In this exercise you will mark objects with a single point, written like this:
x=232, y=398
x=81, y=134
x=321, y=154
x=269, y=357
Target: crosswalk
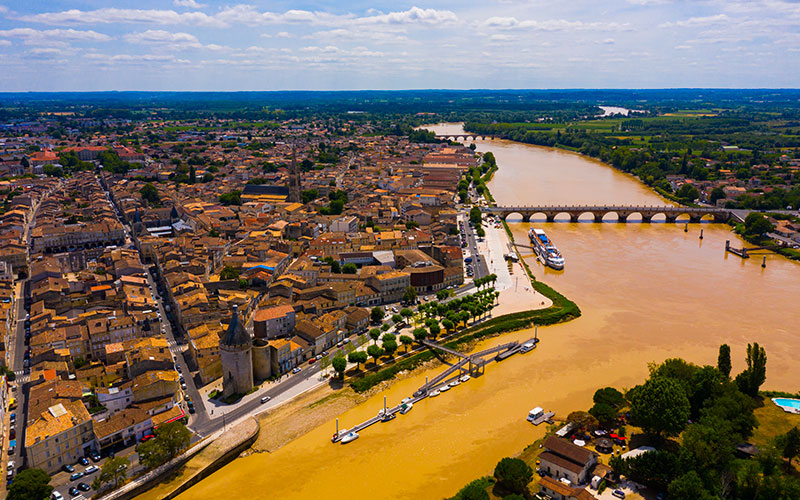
x=21, y=376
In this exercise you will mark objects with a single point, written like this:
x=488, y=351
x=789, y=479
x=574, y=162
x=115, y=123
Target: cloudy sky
x=329, y=44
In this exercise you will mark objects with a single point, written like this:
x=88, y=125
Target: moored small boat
x=454, y=383
x=434, y=393
x=444, y=388
x=406, y=408
x=464, y=378
x=350, y=436
x=388, y=417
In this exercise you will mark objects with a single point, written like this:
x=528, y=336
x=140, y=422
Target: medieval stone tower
x=294, y=180
x=237, y=364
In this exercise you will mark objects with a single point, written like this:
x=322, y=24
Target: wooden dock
x=545, y=417
x=745, y=252
x=472, y=364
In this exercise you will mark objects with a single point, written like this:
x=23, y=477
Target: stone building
x=236, y=353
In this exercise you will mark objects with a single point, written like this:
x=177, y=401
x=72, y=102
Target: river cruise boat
x=350, y=436
x=545, y=249
x=528, y=346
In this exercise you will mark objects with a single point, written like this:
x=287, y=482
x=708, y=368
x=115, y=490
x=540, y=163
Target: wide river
x=647, y=291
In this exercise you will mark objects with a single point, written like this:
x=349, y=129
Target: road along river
x=647, y=292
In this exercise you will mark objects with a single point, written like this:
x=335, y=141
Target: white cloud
x=188, y=3
x=414, y=15
x=161, y=36
x=683, y=47
x=123, y=16
x=283, y=34
x=608, y=41
x=3, y=9
x=58, y=35
x=508, y=23
x=5, y=43
x=699, y=21
x=238, y=14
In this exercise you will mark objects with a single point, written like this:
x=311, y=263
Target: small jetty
x=745, y=252
x=468, y=364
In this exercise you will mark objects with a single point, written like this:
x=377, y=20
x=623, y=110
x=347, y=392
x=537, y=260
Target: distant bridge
x=464, y=137
x=597, y=212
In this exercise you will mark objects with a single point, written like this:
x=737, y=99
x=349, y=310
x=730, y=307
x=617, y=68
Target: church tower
x=235, y=348
x=294, y=179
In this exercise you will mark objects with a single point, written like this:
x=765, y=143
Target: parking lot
x=63, y=481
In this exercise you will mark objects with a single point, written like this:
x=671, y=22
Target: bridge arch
x=516, y=217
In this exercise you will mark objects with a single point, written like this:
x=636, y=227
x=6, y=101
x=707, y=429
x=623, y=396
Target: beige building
x=59, y=436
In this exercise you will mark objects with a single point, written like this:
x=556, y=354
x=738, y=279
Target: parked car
x=84, y=461
x=84, y=487
x=91, y=470
x=56, y=496
x=95, y=456
x=296, y=370
x=75, y=476
x=265, y=399
x=68, y=468
x=312, y=361
x=74, y=491
x=618, y=493
x=147, y=438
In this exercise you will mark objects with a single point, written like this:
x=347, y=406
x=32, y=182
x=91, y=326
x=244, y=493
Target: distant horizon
x=421, y=89
x=283, y=45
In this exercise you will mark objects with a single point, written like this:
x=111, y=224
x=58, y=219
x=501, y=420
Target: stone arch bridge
x=464, y=137
x=647, y=213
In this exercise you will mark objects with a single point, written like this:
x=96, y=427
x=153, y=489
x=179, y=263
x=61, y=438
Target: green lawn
x=772, y=421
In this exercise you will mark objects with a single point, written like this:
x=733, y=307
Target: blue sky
x=328, y=45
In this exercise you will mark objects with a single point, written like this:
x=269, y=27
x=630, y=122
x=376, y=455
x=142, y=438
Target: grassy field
x=772, y=421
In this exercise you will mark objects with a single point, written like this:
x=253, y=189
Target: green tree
x=357, y=357
x=582, y=420
x=174, y=437
x=410, y=295
x=475, y=215
x=374, y=352
x=376, y=314
x=688, y=487
x=756, y=224
x=716, y=194
x=192, y=175
x=435, y=330
x=229, y=273
x=755, y=374
x=390, y=346
x=375, y=334
x=396, y=318
x=406, y=341
x=687, y=192
x=339, y=364
x=349, y=268
x=605, y=414
x=789, y=443
x=207, y=177
x=150, y=194
x=406, y=312
x=114, y=471
x=473, y=491
x=513, y=475
x=420, y=334
x=660, y=406
x=309, y=195
x=151, y=453
x=385, y=327
x=30, y=484
x=609, y=396
x=724, y=360
x=232, y=198
x=447, y=325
